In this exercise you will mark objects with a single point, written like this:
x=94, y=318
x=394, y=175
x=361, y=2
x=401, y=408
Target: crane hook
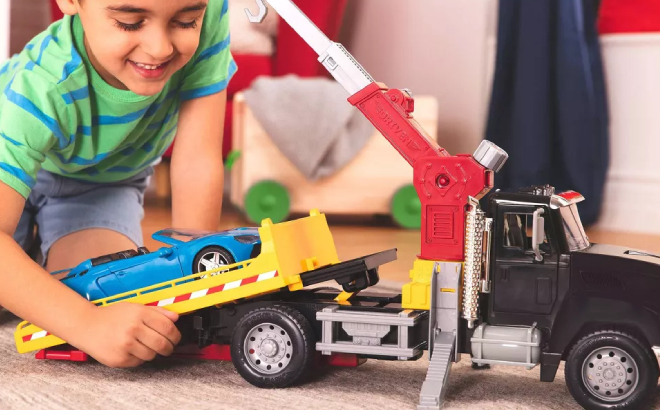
x=263, y=10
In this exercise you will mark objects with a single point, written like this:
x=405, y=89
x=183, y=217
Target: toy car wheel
x=611, y=369
x=210, y=258
x=267, y=199
x=406, y=208
x=273, y=347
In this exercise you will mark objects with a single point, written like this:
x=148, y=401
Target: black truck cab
x=580, y=296
x=526, y=286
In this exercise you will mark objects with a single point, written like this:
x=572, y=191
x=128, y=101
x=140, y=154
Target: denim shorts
x=58, y=206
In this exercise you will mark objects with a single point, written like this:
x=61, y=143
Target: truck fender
x=580, y=315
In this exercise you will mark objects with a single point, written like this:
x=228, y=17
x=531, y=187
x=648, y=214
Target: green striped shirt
x=57, y=113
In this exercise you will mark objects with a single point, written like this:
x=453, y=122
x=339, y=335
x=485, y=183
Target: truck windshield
x=575, y=235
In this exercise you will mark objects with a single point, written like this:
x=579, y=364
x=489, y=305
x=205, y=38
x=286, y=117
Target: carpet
x=26, y=383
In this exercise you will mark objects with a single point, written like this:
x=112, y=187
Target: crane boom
x=444, y=183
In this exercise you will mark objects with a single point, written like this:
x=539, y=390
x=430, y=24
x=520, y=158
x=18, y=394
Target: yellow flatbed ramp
x=288, y=249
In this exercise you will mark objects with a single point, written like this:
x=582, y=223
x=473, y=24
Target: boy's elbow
x=12, y=204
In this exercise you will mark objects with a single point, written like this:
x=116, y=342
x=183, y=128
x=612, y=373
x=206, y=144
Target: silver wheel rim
x=210, y=261
x=268, y=348
x=610, y=374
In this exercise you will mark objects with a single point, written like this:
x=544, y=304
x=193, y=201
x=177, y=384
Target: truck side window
x=514, y=231
x=518, y=233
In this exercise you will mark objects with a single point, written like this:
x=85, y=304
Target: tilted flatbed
x=294, y=255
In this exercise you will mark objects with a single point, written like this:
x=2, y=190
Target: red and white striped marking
x=189, y=296
x=35, y=336
x=205, y=292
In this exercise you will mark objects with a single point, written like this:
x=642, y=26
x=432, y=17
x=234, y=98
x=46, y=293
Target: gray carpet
x=26, y=383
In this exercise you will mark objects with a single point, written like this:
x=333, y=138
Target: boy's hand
x=127, y=335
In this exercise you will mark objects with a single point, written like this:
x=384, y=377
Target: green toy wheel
x=232, y=157
x=267, y=199
x=407, y=208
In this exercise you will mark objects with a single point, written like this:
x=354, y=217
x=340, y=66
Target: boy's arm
x=33, y=122
x=121, y=335
x=197, y=173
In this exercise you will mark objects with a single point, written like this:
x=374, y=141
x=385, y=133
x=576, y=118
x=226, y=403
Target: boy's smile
x=150, y=71
x=139, y=44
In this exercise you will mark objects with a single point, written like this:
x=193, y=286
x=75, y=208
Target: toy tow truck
x=519, y=284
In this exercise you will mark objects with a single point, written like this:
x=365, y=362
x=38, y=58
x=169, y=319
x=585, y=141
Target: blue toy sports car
x=190, y=252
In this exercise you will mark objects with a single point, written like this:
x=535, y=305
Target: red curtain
x=629, y=16
x=55, y=10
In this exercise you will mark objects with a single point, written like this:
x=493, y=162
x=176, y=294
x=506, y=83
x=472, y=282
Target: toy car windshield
x=184, y=235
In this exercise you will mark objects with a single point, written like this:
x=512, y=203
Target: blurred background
x=570, y=88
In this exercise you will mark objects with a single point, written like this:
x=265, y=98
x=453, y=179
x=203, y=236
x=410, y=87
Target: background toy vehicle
x=189, y=253
x=265, y=184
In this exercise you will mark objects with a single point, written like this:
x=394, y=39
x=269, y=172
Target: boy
x=85, y=110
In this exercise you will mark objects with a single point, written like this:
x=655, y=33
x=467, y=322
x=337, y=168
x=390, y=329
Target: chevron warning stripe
x=35, y=336
x=217, y=289
x=188, y=296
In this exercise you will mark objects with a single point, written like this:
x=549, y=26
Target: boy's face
x=139, y=44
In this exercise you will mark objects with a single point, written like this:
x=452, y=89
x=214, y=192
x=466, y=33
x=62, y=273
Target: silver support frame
x=444, y=305
x=488, y=231
x=433, y=320
x=366, y=329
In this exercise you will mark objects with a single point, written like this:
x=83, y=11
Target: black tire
x=224, y=254
x=632, y=379
x=296, y=347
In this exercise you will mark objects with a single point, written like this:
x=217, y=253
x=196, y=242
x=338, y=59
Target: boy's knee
x=72, y=249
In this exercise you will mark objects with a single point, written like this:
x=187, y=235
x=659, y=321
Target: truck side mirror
x=538, y=233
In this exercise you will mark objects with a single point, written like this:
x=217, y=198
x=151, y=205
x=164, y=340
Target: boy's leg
x=79, y=246
x=82, y=220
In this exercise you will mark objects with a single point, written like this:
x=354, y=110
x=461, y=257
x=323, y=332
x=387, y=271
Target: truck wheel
x=273, y=347
x=611, y=369
x=267, y=199
x=212, y=257
x=406, y=208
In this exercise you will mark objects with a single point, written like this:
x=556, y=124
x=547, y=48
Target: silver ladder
x=433, y=390
x=443, y=322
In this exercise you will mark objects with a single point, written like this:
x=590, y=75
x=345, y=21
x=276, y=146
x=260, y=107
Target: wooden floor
x=354, y=238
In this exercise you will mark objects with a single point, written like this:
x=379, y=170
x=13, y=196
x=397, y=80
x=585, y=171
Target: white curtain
x=4, y=29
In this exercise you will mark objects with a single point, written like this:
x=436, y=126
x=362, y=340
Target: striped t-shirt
x=57, y=113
